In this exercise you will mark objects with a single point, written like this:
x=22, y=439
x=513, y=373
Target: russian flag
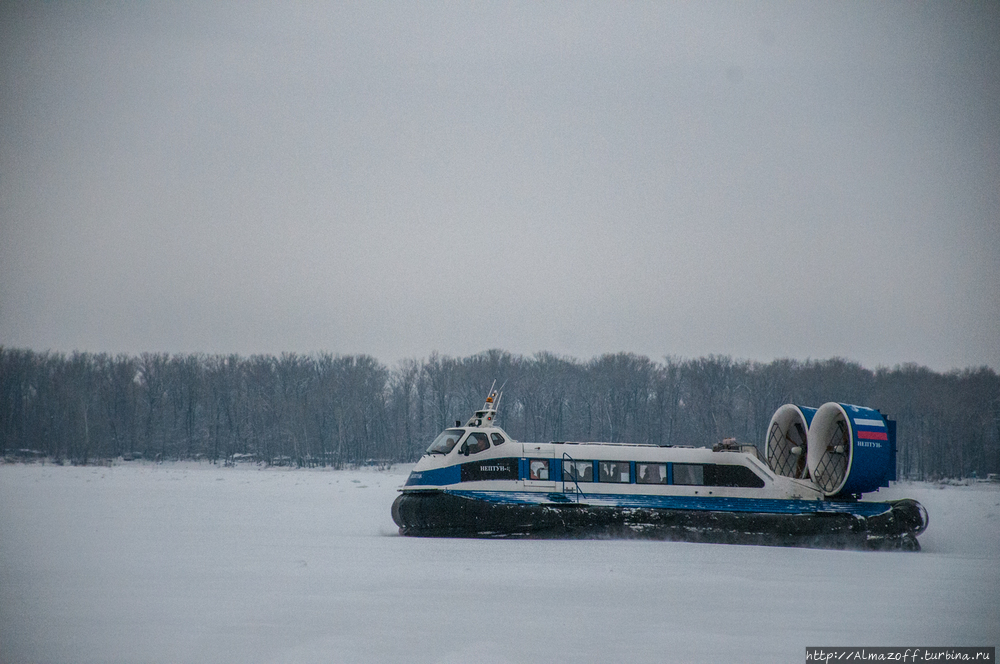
x=871, y=435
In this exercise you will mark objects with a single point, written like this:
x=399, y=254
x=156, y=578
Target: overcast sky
x=803, y=180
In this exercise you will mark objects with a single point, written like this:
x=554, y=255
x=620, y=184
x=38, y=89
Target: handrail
x=566, y=456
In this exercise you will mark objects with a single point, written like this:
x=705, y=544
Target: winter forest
x=332, y=410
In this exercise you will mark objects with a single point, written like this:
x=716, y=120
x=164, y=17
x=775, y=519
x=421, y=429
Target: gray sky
x=800, y=180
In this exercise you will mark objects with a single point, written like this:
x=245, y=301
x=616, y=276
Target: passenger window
x=692, y=474
x=497, y=439
x=651, y=473
x=613, y=471
x=581, y=471
x=538, y=469
x=731, y=475
x=477, y=442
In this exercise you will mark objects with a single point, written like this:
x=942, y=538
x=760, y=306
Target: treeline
x=333, y=410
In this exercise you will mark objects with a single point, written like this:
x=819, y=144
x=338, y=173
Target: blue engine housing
x=852, y=449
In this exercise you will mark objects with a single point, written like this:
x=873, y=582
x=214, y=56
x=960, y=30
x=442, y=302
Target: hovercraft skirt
x=443, y=514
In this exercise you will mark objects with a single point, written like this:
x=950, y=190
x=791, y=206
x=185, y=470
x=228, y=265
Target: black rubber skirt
x=440, y=514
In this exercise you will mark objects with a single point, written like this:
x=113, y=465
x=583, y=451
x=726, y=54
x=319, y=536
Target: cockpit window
x=446, y=441
x=477, y=442
x=497, y=439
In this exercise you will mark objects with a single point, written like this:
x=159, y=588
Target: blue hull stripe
x=713, y=503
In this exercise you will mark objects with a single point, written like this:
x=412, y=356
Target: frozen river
x=200, y=563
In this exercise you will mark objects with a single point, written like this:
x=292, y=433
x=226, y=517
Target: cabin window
x=477, y=442
x=538, y=469
x=613, y=471
x=731, y=475
x=580, y=471
x=497, y=439
x=445, y=442
x=692, y=474
x=710, y=474
x=651, y=473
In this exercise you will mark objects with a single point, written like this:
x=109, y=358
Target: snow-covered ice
x=194, y=562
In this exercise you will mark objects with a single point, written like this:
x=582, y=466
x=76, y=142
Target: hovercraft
x=476, y=481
